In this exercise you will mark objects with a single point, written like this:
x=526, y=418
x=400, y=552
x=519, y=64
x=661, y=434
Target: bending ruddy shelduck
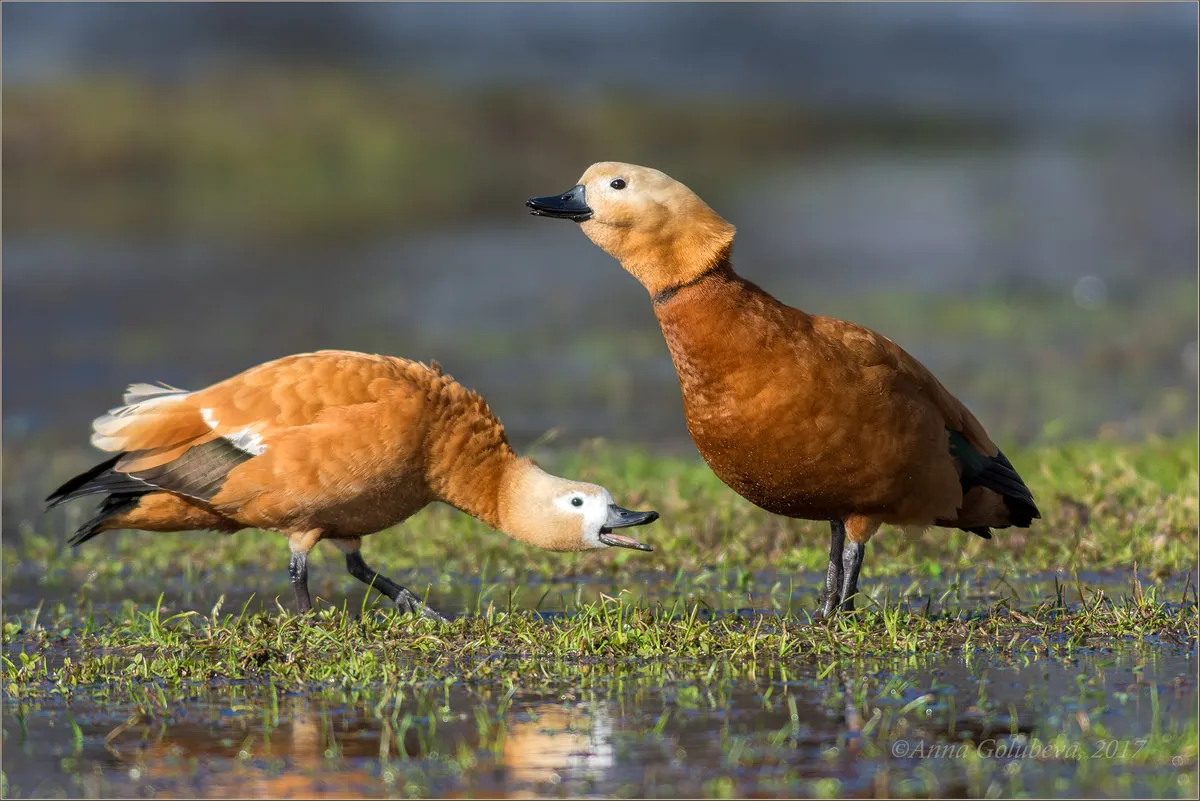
x=333, y=445
x=803, y=415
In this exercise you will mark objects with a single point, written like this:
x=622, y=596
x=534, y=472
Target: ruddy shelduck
x=803, y=415
x=333, y=445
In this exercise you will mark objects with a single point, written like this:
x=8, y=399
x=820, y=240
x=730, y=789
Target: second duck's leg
x=403, y=598
x=852, y=559
x=298, y=571
x=859, y=531
x=827, y=601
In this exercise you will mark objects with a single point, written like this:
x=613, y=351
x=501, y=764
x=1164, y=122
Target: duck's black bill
x=570, y=205
x=625, y=518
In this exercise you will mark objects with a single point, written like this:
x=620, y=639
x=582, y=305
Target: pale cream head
x=660, y=230
x=560, y=515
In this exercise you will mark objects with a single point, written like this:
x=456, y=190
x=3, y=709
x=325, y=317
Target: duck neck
x=717, y=273
x=674, y=252
x=469, y=464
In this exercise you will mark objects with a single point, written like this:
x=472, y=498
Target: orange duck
x=803, y=415
x=331, y=445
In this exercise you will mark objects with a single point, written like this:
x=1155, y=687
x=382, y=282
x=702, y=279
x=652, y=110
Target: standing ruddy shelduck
x=331, y=445
x=805, y=416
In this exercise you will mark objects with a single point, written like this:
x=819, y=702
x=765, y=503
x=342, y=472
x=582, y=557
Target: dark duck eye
x=618, y=183
x=577, y=501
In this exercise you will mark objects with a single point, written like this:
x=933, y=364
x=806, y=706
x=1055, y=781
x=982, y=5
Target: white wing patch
x=247, y=439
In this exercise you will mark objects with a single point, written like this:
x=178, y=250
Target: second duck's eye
x=618, y=183
x=577, y=501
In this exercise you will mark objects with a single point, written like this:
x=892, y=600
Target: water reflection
x=557, y=728
x=558, y=745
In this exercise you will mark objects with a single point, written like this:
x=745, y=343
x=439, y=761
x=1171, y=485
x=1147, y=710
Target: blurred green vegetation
x=326, y=153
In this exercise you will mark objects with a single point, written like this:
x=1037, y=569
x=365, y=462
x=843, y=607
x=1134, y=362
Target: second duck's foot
x=831, y=604
x=827, y=605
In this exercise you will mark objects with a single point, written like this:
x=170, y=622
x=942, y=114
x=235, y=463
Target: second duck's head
x=659, y=229
x=561, y=515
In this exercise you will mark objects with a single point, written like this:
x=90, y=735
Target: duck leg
x=852, y=559
x=298, y=570
x=405, y=600
x=827, y=601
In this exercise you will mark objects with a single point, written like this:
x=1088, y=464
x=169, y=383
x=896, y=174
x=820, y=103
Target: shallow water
x=941, y=724
x=1062, y=720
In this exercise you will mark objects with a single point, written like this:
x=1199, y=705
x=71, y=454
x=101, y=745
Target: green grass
x=1105, y=506
x=139, y=644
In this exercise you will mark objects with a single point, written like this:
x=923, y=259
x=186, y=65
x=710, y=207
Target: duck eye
x=618, y=183
x=577, y=501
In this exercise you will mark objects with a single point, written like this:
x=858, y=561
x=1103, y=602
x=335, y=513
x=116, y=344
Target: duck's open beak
x=570, y=205
x=625, y=518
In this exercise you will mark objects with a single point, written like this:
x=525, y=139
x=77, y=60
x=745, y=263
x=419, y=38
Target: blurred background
x=1007, y=190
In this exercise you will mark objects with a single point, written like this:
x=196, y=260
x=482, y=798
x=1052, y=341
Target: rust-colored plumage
x=330, y=445
x=803, y=415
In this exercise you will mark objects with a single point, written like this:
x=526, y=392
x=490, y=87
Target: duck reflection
x=552, y=744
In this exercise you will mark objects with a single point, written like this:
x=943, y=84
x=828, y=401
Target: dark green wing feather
x=996, y=473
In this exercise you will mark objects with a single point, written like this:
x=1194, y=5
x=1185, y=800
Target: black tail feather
x=198, y=474
x=100, y=478
x=1000, y=476
x=123, y=494
x=997, y=474
x=1021, y=513
x=113, y=505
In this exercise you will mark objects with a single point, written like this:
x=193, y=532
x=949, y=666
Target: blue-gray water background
x=1008, y=190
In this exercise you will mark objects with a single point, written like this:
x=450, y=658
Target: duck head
x=660, y=231
x=561, y=515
